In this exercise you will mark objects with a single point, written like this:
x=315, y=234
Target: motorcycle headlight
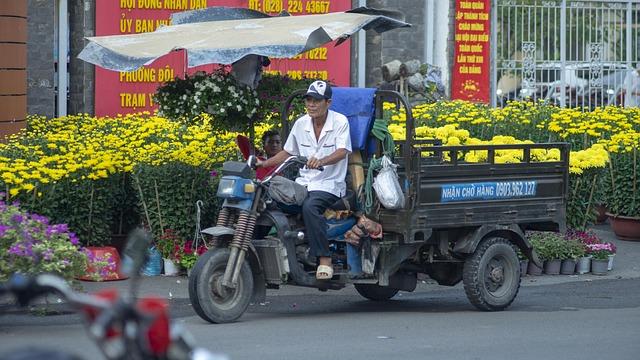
x=225, y=187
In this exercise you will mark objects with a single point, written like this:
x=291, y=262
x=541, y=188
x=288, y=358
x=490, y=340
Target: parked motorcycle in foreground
x=123, y=327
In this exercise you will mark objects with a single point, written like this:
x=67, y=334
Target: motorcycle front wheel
x=213, y=301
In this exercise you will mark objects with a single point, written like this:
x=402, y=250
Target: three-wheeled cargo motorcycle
x=461, y=221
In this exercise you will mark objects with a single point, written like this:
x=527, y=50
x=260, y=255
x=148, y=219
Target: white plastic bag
x=387, y=187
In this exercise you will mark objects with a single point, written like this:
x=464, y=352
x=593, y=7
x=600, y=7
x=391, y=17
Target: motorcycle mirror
x=251, y=161
x=135, y=253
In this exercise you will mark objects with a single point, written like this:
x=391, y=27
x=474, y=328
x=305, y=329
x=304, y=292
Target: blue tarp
x=358, y=105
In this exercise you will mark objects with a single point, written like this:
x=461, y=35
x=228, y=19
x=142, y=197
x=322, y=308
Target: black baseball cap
x=319, y=90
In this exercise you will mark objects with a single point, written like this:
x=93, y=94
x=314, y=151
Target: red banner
x=470, y=78
x=130, y=92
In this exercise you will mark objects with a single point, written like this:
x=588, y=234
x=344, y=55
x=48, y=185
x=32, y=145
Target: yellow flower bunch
x=86, y=147
x=615, y=127
x=595, y=156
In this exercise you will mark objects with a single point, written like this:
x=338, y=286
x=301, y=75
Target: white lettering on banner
x=488, y=190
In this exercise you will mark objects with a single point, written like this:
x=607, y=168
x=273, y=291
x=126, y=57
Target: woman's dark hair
x=268, y=134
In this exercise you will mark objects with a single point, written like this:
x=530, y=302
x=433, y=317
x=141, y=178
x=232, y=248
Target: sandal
x=324, y=272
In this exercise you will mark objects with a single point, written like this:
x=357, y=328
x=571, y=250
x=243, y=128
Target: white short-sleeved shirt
x=334, y=135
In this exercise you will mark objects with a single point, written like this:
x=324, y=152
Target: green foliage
x=548, y=245
x=29, y=244
x=168, y=193
x=89, y=207
x=574, y=249
x=622, y=183
x=273, y=91
x=585, y=192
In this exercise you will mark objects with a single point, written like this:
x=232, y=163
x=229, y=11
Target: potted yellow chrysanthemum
x=623, y=194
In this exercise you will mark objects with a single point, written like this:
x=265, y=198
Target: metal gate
x=568, y=53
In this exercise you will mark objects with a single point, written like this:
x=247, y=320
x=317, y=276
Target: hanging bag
x=387, y=186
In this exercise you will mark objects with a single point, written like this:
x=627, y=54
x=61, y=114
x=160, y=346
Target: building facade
x=52, y=31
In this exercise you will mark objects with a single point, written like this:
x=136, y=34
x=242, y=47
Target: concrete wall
x=81, y=74
x=402, y=44
x=410, y=43
x=40, y=57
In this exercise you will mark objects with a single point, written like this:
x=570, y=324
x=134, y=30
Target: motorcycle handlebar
x=26, y=289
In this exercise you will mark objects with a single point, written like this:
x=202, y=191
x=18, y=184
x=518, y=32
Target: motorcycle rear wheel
x=211, y=300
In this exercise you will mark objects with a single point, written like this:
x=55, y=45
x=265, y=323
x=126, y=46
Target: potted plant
x=614, y=249
x=550, y=248
x=190, y=256
x=584, y=238
x=573, y=251
x=31, y=245
x=170, y=246
x=540, y=247
x=600, y=260
x=623, y=193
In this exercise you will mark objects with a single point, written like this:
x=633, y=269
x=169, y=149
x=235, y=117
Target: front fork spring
x=238, y=247
x=226, y=216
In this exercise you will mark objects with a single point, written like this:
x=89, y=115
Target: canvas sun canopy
x=222, y=35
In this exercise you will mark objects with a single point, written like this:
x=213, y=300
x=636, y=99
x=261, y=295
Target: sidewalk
x=626, y=266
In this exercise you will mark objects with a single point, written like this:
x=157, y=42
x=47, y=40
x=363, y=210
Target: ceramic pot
x=625, y=227
x=524, y=265
x=610, y=263
x=599, y=267
x=170, y=268
x=552, y=267
x=532, y=269
x=584, y=265
x=101, y=252
x=568, y=267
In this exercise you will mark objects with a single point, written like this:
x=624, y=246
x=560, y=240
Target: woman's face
x=272, y=145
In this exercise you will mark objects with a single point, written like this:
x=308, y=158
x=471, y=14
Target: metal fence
x=568, y=53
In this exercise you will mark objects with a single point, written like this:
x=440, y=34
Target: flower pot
x=170, y=268
x=568, y=267
x=533, y=269
x=625, y=227
x=599, y=266
x=601, y=213
x=610, y=263
x=552, y=267
x=524, y=264
x=584, y=265
x=104, y=252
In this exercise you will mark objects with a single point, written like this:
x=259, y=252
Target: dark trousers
x=315, y=223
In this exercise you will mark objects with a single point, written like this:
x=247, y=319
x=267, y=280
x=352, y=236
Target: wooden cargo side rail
x=429, y=209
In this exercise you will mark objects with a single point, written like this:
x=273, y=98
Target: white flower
x=239, y=107
x=229, y=103
x=221, y=110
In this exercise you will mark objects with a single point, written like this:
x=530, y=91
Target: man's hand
x=258, y=163
x=314, y=163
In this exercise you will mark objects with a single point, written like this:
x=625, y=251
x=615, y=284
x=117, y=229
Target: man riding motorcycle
x=322, y=136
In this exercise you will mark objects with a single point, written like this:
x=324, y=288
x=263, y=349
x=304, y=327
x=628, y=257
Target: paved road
x=574, y=320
